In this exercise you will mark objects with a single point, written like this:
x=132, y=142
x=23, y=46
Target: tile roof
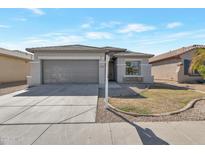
x=174, y=53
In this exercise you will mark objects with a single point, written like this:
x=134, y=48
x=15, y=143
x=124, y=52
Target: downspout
x=107, y=58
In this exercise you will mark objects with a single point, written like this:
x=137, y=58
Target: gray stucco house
x=174, y=65
x=87, y=64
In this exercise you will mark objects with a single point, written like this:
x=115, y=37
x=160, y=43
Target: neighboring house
x=174, y=65
x=14, y=65
x=86, y=64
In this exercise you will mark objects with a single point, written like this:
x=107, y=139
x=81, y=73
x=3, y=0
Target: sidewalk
x=186, y=132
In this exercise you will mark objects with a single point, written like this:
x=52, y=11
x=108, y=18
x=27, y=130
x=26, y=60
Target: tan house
x=174, y=65
x=14, y=65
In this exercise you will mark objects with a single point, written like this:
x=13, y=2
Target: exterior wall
x=35, y=73
x=187, y=78
x=173, y=69
x=13, y=69
x=36, y=70
x=166, y=69
x=145, y=76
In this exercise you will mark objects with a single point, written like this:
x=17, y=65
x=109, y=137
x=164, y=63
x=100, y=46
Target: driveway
x=50, y=104
x=65, y=114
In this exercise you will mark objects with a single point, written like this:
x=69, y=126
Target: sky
x=142, y=30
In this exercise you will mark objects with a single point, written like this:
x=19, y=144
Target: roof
x=75, y=47
x=117, y=51
x=174, y=53
x=114, y=48
x=16, y=53
x=132, y=53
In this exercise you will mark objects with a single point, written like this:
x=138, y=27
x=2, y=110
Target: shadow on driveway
x=147, y=136
x=61, y=90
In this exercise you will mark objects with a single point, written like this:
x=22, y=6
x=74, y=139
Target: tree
x=198, y=62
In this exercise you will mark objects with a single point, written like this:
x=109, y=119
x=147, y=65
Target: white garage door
x=70, y=71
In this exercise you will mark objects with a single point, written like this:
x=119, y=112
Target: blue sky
x=144, y=30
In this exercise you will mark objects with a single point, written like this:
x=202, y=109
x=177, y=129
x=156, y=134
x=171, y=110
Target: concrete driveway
x=65, y=114
x=50, y=104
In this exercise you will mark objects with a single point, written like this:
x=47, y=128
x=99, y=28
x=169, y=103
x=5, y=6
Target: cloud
x=4, y=26
x=109, y=24
x=173, y=37
x=98, y=35
x=52, y=39
x=20, y=19
x=136, y=28
x=88, y=24
x=174, y=25
x=179, y=35
x=69, y=39
x=35, y=40
x=37, y=11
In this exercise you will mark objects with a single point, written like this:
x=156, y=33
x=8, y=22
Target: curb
x=188, y=106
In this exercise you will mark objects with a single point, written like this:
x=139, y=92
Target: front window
x=187, y=64
x=133, y=68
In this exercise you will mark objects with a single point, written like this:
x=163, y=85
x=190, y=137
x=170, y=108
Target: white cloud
x=98, y=35
x=35, y=40
x=174, y=25
x=20, y=19
x=88, y=24
x=47, y=39
x=53, y=34
x=52, y=39
x=179, y=35
x=37, y=11
x=68, y=39
x=4, y=26
x=109, y=24
x=173, y=37
x=136, y=28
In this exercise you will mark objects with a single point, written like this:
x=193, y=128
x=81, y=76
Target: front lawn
x=157, y=99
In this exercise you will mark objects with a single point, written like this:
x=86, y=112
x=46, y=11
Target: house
x=174, y=65
x=87, y=64
x=14, y=65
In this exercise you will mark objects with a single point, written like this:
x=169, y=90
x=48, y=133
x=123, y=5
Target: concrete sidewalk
x=186, y=132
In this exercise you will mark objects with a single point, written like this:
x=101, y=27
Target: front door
x=111, y=71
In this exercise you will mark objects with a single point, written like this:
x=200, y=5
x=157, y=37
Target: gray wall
x=36, y=66
x=145, y=70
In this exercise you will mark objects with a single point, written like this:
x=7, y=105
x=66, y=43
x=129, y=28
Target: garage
x=70, y=71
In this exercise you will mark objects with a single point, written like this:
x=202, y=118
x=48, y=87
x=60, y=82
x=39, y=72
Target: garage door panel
x=70, y=71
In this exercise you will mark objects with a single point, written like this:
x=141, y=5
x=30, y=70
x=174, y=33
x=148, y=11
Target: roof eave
x=16, y=54
x=33, y=50
x=158, y=60
x=129, y=55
